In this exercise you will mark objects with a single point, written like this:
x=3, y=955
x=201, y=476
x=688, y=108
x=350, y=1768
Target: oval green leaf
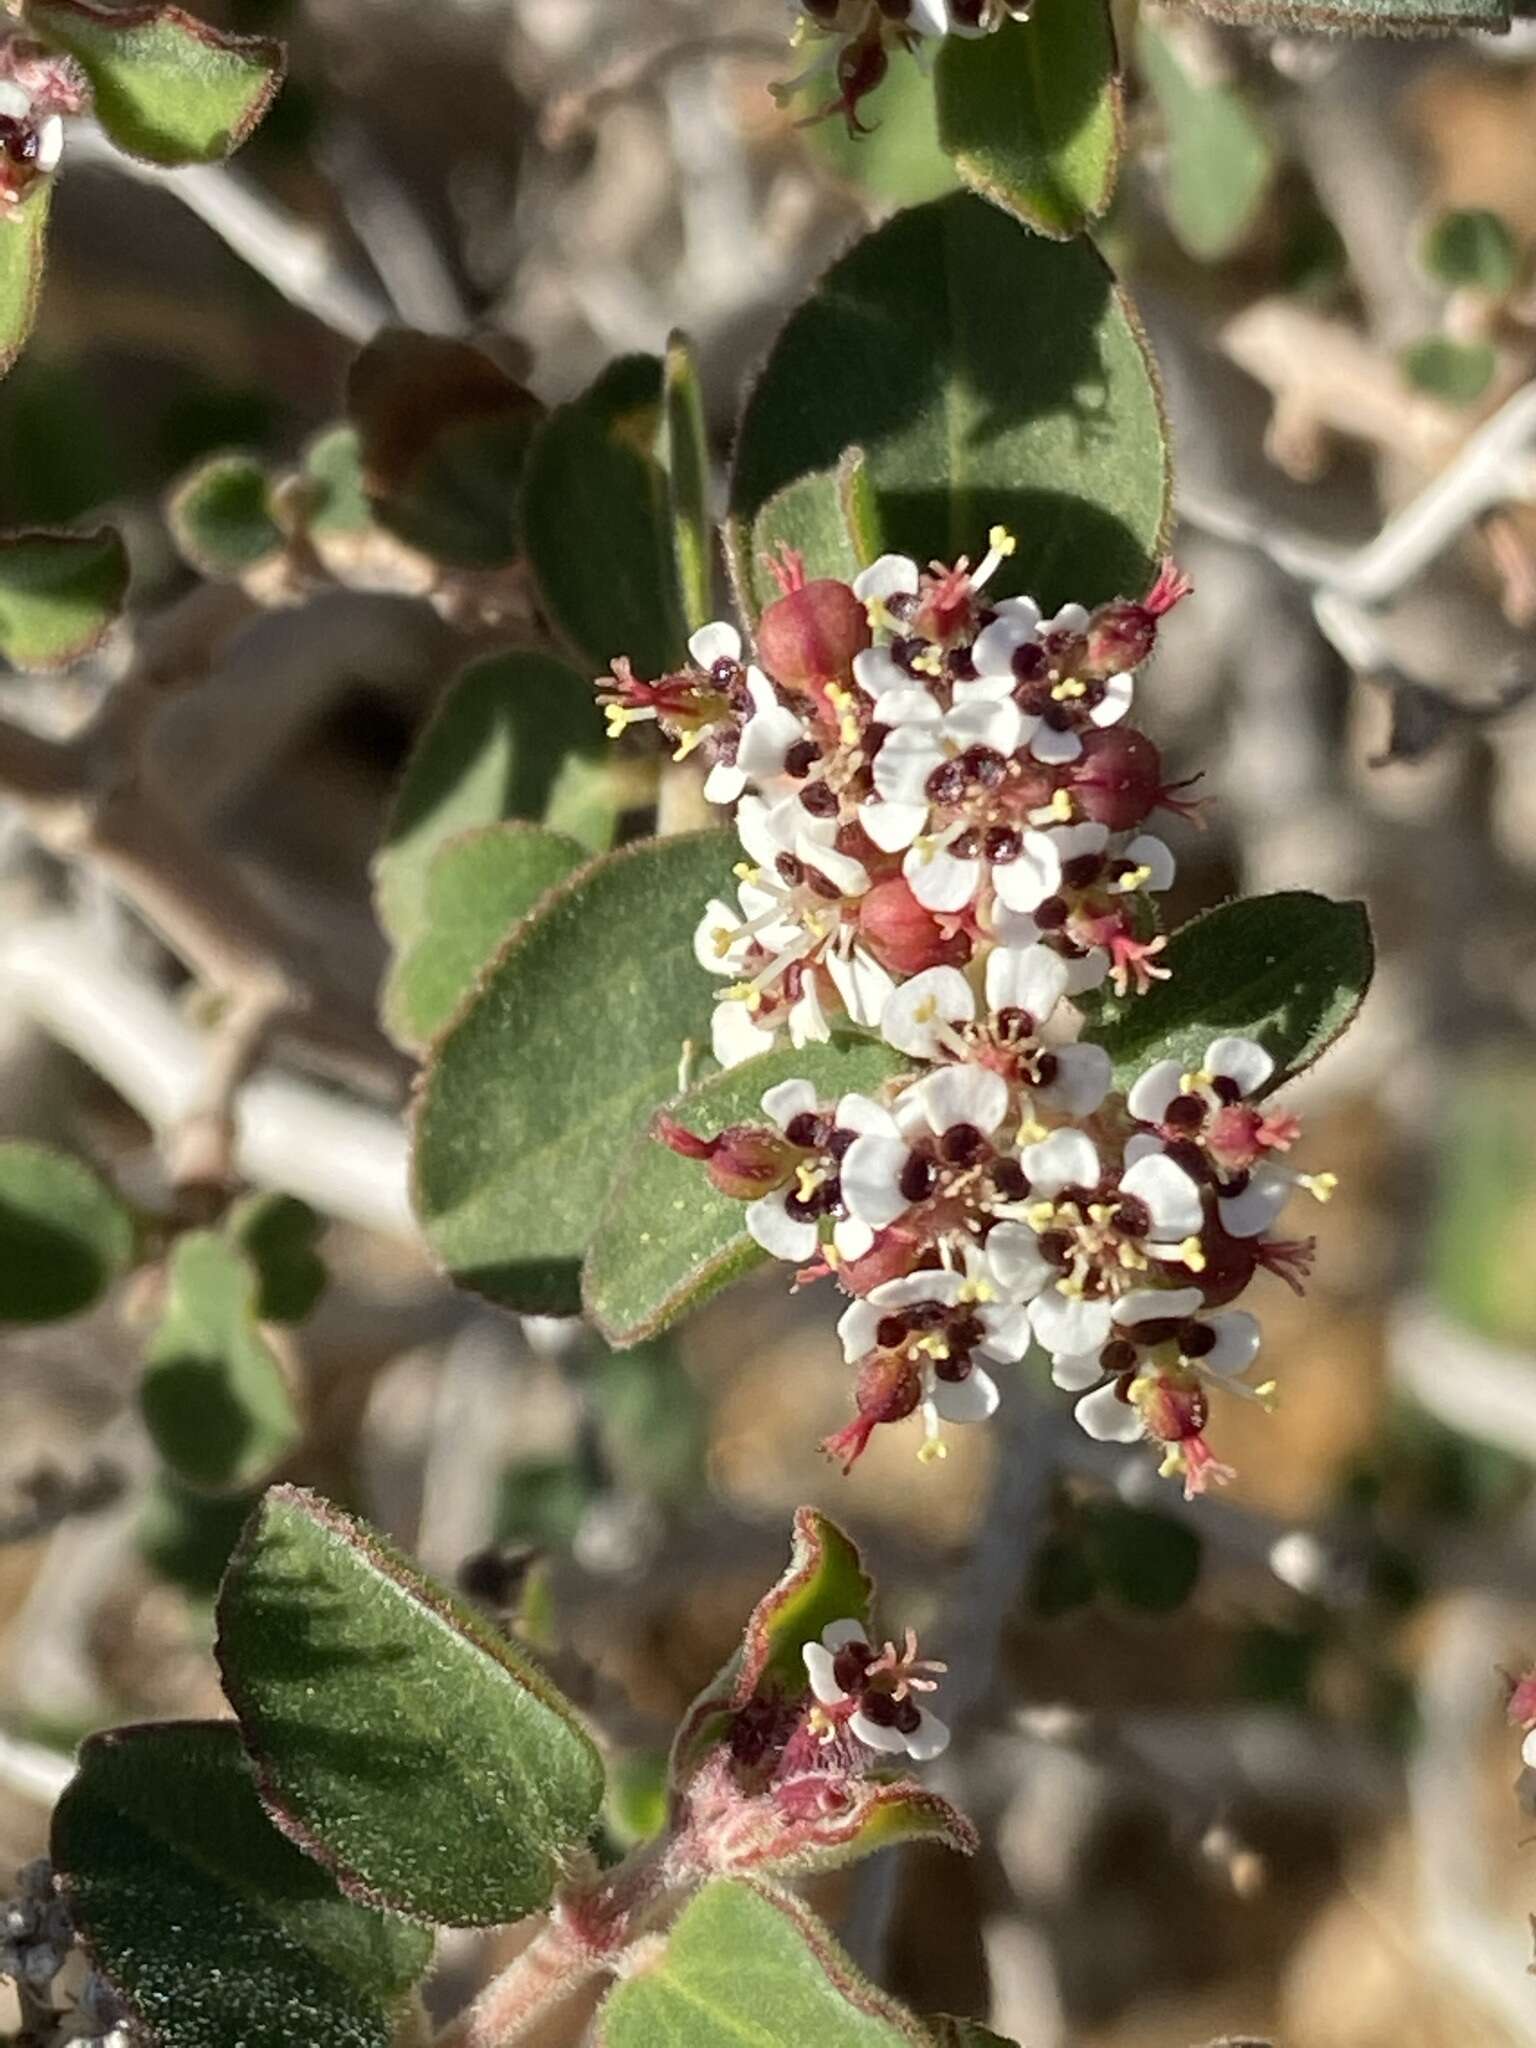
x=277, y=1234
x=479, y=885
x=64, y=1236
x=1460, y=372
x=516, y=736
x=165, y=86
x=666, y=1240
x=220, y=518
x=1032, y=114
x=59, y=593
x=214, y=1396
x=23, y=260
x=748, y=1968
x=398, y=1738
x=1220, y=160
x=572, y=1037
x=1472, y=246
x=597, y=522
x=1290, y=970
x=211, y=1927
x=1047, y=421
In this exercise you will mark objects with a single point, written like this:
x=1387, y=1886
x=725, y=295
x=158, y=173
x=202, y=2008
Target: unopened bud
x=903, y=936
x=1172, y=1411
x=743, y=1162
x=812, y=634
x=1118, y=777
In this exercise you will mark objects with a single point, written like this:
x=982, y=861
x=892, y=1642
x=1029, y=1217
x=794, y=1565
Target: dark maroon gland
x=819, y=800
x=1046, y=1068
x=891, y=1332
x=801, y=759
x=850, y=1665
x=789, y=870
x=1010, y=1180
x=1185, y=1112
x=918, y=1178
x=1002, y=845
x=947, y=783
x=983, y=766
x=1118, y=1357
x=807, y=1130
x=1052, y=914
x=1056, y=1247
x=1081, y=873
x=1230, y=1263
x=1118, y=777
x=1132, y=1216
x=961, y=1143
x=1186, y=1153
x=19, y=141
x=1196, y=1340
x=811, y=635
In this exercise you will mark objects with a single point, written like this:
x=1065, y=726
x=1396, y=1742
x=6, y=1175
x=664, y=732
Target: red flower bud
x=744, y=1162
x=903, y=936
x=1118, y=777
x=891, y=1257
x=889, y=1389
x=811, y=635
x=1120, y=637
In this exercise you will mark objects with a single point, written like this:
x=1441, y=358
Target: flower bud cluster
x=944, y=814
x=857, y=36
x=37, y=88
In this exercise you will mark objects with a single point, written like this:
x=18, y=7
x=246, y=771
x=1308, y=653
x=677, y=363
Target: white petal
x=984, y=722
x=869, y=1118
x=997, y=644
x=1029, y=978
x=1053, y=747
x=766, y=740
x=893, y=827
x=915, y=705
x=851, y=1239
x=1014, y=1260
x=1252, y=1212
x=50, y=143
x=1083, y=1075
x=877, y=670
x=734, y=1037
x=937, y=879
x=973, y=1399
x=787, y=1100
x=1066, y=1159
x=1081, y=1370
x=1115, y=702
x=718, y=641
x=856, y=1328
x=1528, y=1750
x=938, y=1284
x=863, y=984
x=1155, y=1304
x=1067, y=1324
x=849, y=876
x=723, y=784
x=989, y=690
x=1024, y=884
x=15, y=103
x=1169, y=1193
x=1108, y=1419
x=918, y=1009
x=871, y=1180
x=1140, y=1145
x=718, y=918
x=930, y=1738
x=1242, y=1060
x=1237, y=1340
x=873, y=1736
x=964, y=1095
x=818, y=1669
x=807, y=1020
x=1152, y=1091
x=1072, y=618
x=891, y=576
x=1149, y=852
x=1073, y=841
x=1090, y=970
x=760, y=827
x=837, y=1635
x=1007, y=1333
x=770, y=1225
x=929, y=17
x=904, y=764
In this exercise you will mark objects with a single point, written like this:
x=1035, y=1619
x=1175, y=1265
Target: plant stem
x=550, y=1968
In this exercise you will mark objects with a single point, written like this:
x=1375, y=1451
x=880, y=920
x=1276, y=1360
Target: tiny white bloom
x=716, y=642
x=921, y=1016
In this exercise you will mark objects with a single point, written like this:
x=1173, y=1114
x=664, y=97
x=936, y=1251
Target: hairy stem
x=553, y=1965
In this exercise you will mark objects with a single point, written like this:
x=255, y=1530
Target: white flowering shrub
x=826, y=923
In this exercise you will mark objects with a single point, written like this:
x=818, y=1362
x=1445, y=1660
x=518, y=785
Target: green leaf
x=479, y=885
x=900, y=161
x=687, y=466
x=811, y=517
x=1148, y=1561
x=64, y=1236
x=516, y=736
x=1290, y=970
x=1460, y=372
x=397, y=1736
x=333, y=481
x=277, y=1234
x=570, y=1040
x=23, y=260
x=665, y=1239
x=59, y=593
x=213, y=1929
x=220, y=519
x=1471, y=246
x=749, y=1966
x=1032, y=114
x=1220, y=160
x=597, y=521
x=214, y=1395
x=186, y=1536
x=165, y=86
x=1364, y=17
x=650, y=1422
x=1048, y=424
x=443, y=435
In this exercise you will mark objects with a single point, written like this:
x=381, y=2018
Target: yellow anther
x=1061, y=805
x=929, y=664
x=1100, y=1212
x=808, y=1179
x=932, y=1451
x=617, y=718
x=1191, y=1255
x=1133, y=1261
x=1038, y=1214
x=1268, y=1396
x=1032, y=1132
x=1072, y=1285
x=1128, y=884
x=721, y=940
x=1001, y=541
x=978, y=1290
x=1068, y=688
x=1173, y=1463
x=745, y=872
x=1190, y=1084
x=738, y=992
x=687, y=743
x=1321, y=1186
x=934, y=1345
x=926, y=1010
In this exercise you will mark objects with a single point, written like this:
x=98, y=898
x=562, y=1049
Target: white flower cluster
x=941, y=805
x=859, y=33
